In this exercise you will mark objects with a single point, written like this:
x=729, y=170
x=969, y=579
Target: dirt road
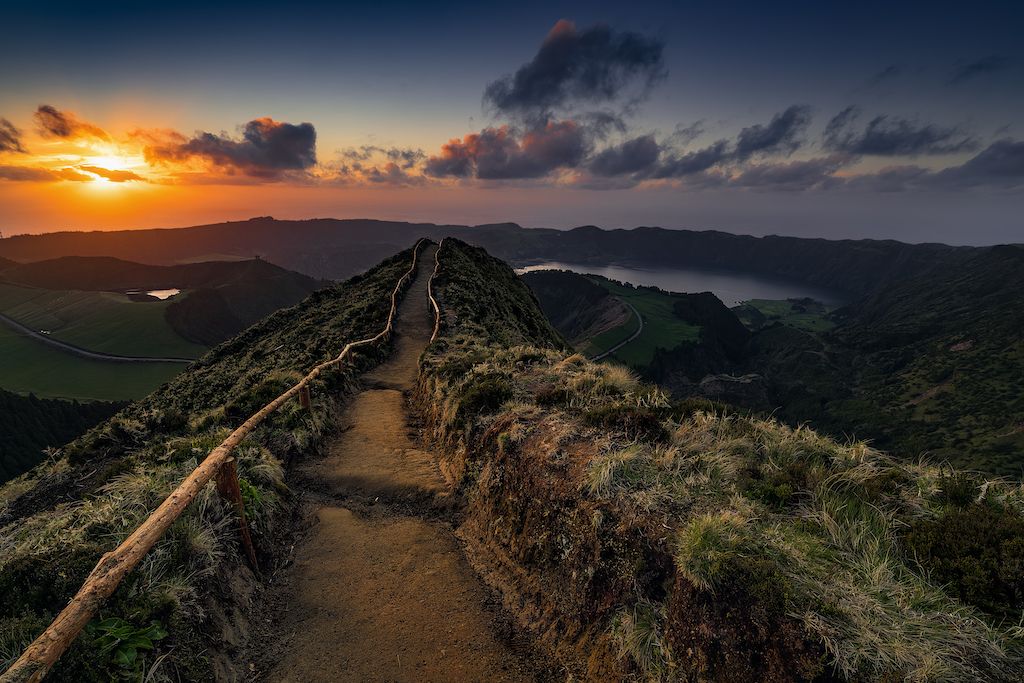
x=380, y=589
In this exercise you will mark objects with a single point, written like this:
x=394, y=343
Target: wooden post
x=228, y=488
x=304, y=399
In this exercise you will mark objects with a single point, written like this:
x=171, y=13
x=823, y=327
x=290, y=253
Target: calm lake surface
x=731, y=287
x=163, y=293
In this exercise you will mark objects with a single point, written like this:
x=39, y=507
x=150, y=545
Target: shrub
x=977, y=551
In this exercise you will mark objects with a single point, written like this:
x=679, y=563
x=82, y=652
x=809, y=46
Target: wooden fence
x=104, y=579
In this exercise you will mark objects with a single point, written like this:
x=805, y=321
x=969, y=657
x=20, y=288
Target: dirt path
x=380, y=590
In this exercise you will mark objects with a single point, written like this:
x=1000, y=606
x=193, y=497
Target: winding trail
x=639, y=331
x=380, y=589
x=84, y=353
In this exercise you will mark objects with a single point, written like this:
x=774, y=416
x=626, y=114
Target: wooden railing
x=104, y=579
x=430, y=291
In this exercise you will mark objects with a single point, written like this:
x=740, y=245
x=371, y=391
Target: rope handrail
x=430, y=291
x=46, y=649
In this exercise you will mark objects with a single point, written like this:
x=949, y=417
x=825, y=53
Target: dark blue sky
x=933, y=86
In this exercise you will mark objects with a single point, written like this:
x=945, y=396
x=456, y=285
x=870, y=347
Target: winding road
x=79, y=351
x=622, y=343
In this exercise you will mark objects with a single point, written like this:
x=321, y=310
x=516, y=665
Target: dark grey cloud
x=967, y=71
x=888, y=73
x=503, y=153
x=34, y=174
x=268, y=149
x=1000, y=165
x=632, y=156
x=405, y=157
x=792, y=176
x=782, y=135
x=690, y=163
x=684, y=135
x=601, y=124
x=10, y=137
x=572, y=67
x=892, y=136
x=54, y=123
x=889, y=179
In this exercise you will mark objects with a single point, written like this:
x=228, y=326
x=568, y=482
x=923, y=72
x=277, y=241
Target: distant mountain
x=329, y=248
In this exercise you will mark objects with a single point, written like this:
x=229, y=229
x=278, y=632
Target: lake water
x=163, y=293
x=729, y=286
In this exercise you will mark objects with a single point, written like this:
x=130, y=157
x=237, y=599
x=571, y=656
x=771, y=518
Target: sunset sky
x=789, y=118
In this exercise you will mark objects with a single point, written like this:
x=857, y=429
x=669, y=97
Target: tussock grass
x=817, y=524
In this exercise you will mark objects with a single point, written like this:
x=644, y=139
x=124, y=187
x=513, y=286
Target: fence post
x=227, y=487
x=304, y=399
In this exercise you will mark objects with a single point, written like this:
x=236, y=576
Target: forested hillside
x=30, y=425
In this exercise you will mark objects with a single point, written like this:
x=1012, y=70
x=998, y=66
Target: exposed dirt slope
x=380, y=590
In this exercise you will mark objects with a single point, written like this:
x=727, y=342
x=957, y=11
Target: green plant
x=119, y=641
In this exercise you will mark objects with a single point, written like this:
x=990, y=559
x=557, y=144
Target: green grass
x=106, y=322
x=609, y=338
x=803, y=315
x=662, y=327
x=29, y=366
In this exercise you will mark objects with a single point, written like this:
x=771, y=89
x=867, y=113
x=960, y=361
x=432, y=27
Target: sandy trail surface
x=380, y=589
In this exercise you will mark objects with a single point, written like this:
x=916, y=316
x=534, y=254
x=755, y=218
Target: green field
x=810, y=316
x=106, y=322
x=662, y=327
x=28, y=366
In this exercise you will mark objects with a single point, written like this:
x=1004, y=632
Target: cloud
x=889, y=179
x=1000, y=165
x=793, y=176
x=967, y=71
x=10, y=137
x=41, y=175
x=596, y=65
x=112, y=175
x=405, y=157
x=690, y=163
x=886, y=74
x=632, y=156
x=503, y=154
x=54, y=123
x=268, y=149
x=782, y=135
x=684, y=135
x=892, y=136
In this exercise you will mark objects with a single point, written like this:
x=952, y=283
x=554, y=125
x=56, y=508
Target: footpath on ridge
x=380, y=589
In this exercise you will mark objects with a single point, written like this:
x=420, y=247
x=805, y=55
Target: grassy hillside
x=27, y=366
x=804, y=314
x=579, y=308
x=29, y=425
x=646, y=539
x=56, y=521
x=107, y=322
x=218, y=301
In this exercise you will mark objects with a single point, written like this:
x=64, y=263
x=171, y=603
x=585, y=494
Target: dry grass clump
x=817, y=523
